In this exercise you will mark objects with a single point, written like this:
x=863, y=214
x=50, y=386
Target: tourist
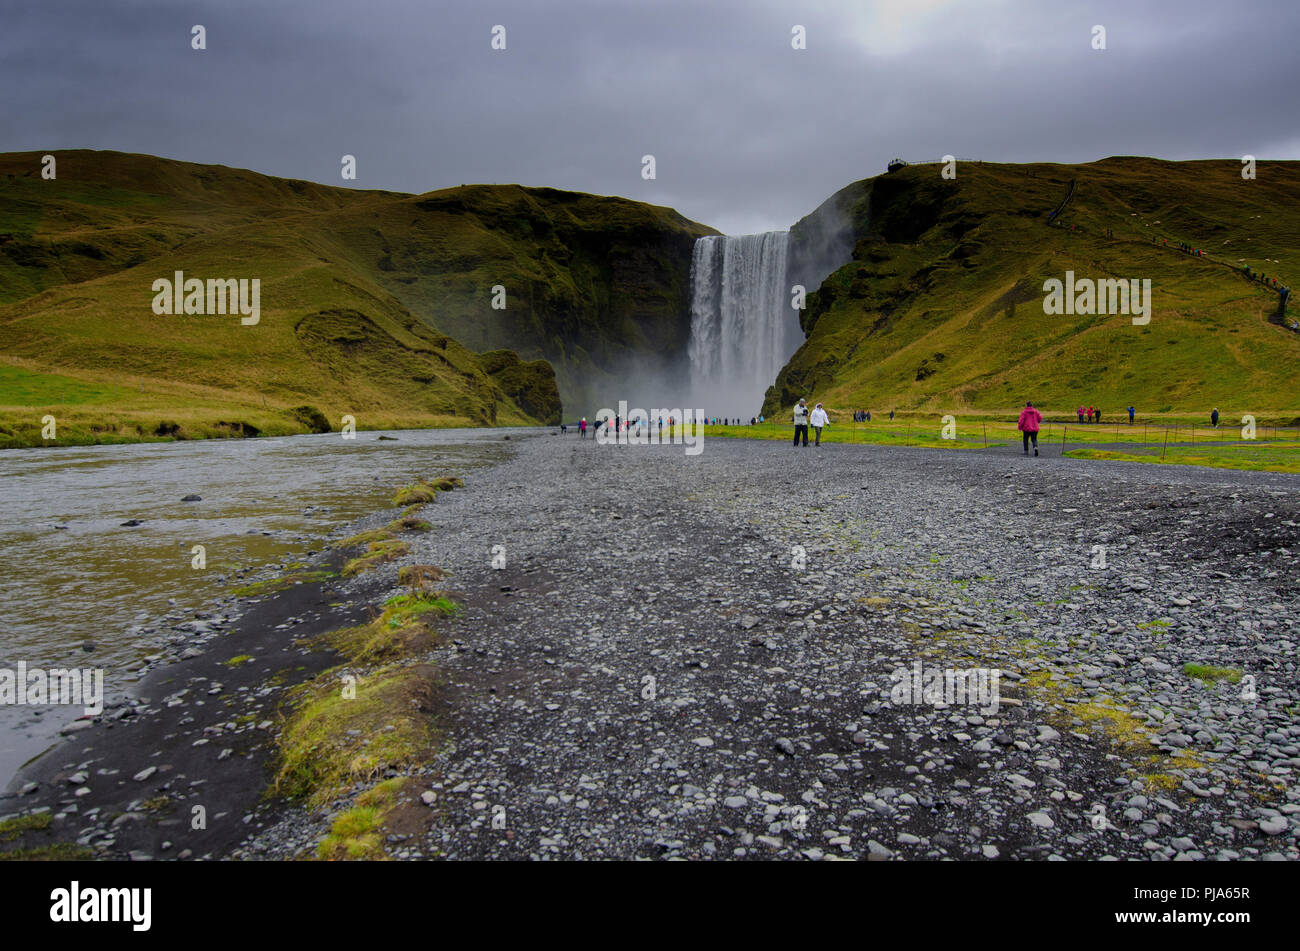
x=801, y=421
x=1080, y=411
x=1214, y=417
x=1098, y=414
x=582, y=428
x=818, y=420
x=1131, y=412
x=1028, y=425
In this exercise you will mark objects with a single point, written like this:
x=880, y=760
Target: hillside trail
x=1282, y=290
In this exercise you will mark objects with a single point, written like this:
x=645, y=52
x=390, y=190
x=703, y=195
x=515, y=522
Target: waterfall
x=743, y=329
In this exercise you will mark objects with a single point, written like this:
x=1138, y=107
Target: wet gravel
x=698, y=657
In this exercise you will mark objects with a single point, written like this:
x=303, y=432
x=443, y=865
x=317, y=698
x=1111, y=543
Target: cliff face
x=823, y=241
x=941, y=303
x=530, y=384
x=599, y=287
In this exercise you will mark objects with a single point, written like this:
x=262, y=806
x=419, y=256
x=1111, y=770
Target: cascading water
x=743, y=329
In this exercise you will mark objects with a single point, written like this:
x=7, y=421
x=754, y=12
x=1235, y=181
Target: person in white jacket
x=801, y=422
x=818, y=420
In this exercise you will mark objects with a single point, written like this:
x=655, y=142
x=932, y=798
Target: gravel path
x=693, y=657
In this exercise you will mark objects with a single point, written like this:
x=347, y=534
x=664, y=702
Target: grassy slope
x=338, y=331
x=949, y=275
x=596, y=286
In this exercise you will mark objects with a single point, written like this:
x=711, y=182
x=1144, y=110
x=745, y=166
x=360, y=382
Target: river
x=79, y=589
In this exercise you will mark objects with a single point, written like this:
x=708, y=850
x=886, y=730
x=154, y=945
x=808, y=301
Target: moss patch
x=405, y=523
x=330, y=742
x=400, y=630
x=421, y=493
x=58, y=852
x=415, y=494
x=377, y=553
x=11, y=829
x=1212, y=674
x=271, y=585
x=419, y=577
x=359, y=832
x=1128, y=734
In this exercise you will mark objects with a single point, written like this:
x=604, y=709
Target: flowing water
x=72, y=577
x=743, y=327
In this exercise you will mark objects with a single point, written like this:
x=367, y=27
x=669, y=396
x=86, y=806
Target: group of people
x=1029, y=422
x=803, y=419
x=617, y=424
x=1092, y=414
x=1284, y=291
x=1267, y=281
x=817, y=419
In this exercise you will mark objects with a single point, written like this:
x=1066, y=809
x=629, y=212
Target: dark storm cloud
x=747, y=132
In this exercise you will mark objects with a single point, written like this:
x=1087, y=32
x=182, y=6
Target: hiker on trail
x=1080, y=412
x=818, y=420
x=891, y=415
x=563, y=429
x=868, y=416
x=1131, y=411
x=582, y=428
x=801, y=422
x=1098, y=414
x=1028, y=425
x=1090, y=414
x=1214, y=417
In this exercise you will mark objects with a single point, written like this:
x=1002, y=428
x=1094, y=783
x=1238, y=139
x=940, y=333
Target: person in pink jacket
x=1029, y=420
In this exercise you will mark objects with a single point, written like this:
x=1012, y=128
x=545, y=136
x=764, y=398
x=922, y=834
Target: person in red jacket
x=1029, y=420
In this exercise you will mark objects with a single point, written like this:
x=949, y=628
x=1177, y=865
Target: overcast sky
x=748, y=134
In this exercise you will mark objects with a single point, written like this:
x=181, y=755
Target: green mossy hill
x=531, y=384
x=366, y=297
x=597, y=286
x=941, y=306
